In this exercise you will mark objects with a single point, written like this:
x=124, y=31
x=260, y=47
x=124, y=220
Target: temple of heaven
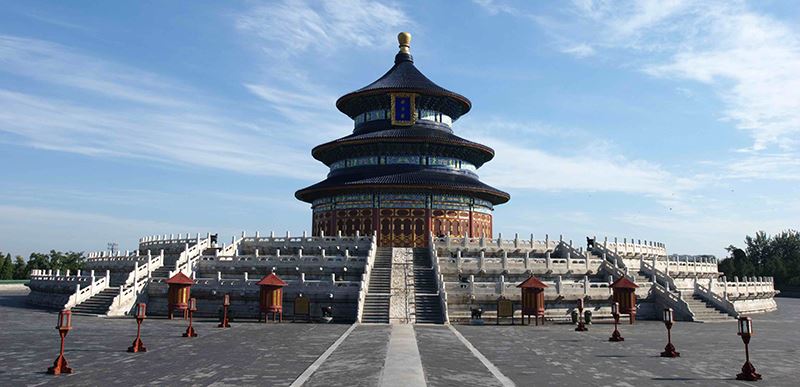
x=402, y=172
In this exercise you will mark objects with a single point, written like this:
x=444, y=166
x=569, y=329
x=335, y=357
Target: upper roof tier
x=403, y=77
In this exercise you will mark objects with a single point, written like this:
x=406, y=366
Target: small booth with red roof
x=271, y=297
x=179, y=293
x=624, y=292
x=532, y=299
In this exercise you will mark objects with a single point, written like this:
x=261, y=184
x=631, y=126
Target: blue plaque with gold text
x=404, y=111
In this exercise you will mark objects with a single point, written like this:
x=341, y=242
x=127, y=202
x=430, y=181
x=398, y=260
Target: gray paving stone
x=711, y=354
x=275, y=354
x=358, y=361
x=447, y=362
x=246, y=354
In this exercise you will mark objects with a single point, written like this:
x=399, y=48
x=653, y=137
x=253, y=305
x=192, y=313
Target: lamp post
x=746, y=332
x=141, y=313
x=581, y=325
x=190, y=332
x=226, y=302
x=64, y=324
x=616, y=336
x=669, y=350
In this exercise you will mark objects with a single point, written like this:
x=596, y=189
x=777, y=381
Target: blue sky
x=660, y=120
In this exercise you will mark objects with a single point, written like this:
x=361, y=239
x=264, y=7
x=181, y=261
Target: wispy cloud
x=292, y=27
x=770, y=166
x=579, y=51
x=550, y=159
x=496, y=7
x=177, y=137
x=749, y=58
x=79, y=231
x=534, y=168
x=56, y=64
x=130, y=113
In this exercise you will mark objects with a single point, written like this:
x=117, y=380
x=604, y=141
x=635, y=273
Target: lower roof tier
x=419, y=140
x=406, y=181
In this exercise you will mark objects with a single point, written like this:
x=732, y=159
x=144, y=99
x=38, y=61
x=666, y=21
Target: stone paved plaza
x=277, y=354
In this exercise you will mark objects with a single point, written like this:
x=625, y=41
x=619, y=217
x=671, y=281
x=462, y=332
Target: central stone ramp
x=376, y=303
x=403, y=366
x=427, y=303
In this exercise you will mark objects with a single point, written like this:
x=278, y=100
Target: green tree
x=38, y=261
x=777, y=256
x=57, y=260
x=6, y=268
x=20, y=268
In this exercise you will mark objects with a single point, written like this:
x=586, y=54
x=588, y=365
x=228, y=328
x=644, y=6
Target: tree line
x=777, y=256
x=18, y=268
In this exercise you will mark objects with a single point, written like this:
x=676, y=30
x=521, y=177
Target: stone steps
x=704, y=312
x=97, y=304
x=428, y=307
x=376, y=302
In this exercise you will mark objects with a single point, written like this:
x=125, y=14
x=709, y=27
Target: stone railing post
x=547, y=260
x=558, y=285
x=472, y=285
x=569, y=261
x=586, y=285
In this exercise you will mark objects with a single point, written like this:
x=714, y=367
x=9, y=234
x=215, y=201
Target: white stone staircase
x=376, y=302
x=427, y=303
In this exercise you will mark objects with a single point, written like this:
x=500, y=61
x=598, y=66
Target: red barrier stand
x=746, y=331
x=190, y=332
x=616, y=336
x=226, y=302
x=138, y=346
x=581, y=324
x=60, y=366
x=669, y=350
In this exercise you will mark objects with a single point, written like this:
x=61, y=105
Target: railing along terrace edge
x=362, y=291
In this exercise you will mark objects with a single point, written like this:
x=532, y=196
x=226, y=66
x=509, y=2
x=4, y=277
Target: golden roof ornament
x=404, y=39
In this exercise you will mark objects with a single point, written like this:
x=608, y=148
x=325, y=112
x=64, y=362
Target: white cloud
x=750, y=59
x=177, y=137
x=522, y=167
x=579, y=51
x=292, y=27
x=774, y=166
x=56, y=64
x=118, y=111
x=35, y=227
x=494, y=7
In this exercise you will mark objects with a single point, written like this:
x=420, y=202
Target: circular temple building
x=402, y=172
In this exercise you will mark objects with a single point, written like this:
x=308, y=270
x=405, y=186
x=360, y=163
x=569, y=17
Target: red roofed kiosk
x=179, y=293
x=271, y=296
x=624, y=292
x=532, y=299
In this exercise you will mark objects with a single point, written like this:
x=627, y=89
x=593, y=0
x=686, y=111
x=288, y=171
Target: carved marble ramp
x=403, y=366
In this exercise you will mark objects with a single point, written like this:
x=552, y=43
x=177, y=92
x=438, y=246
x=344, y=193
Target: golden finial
x=404, y=38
